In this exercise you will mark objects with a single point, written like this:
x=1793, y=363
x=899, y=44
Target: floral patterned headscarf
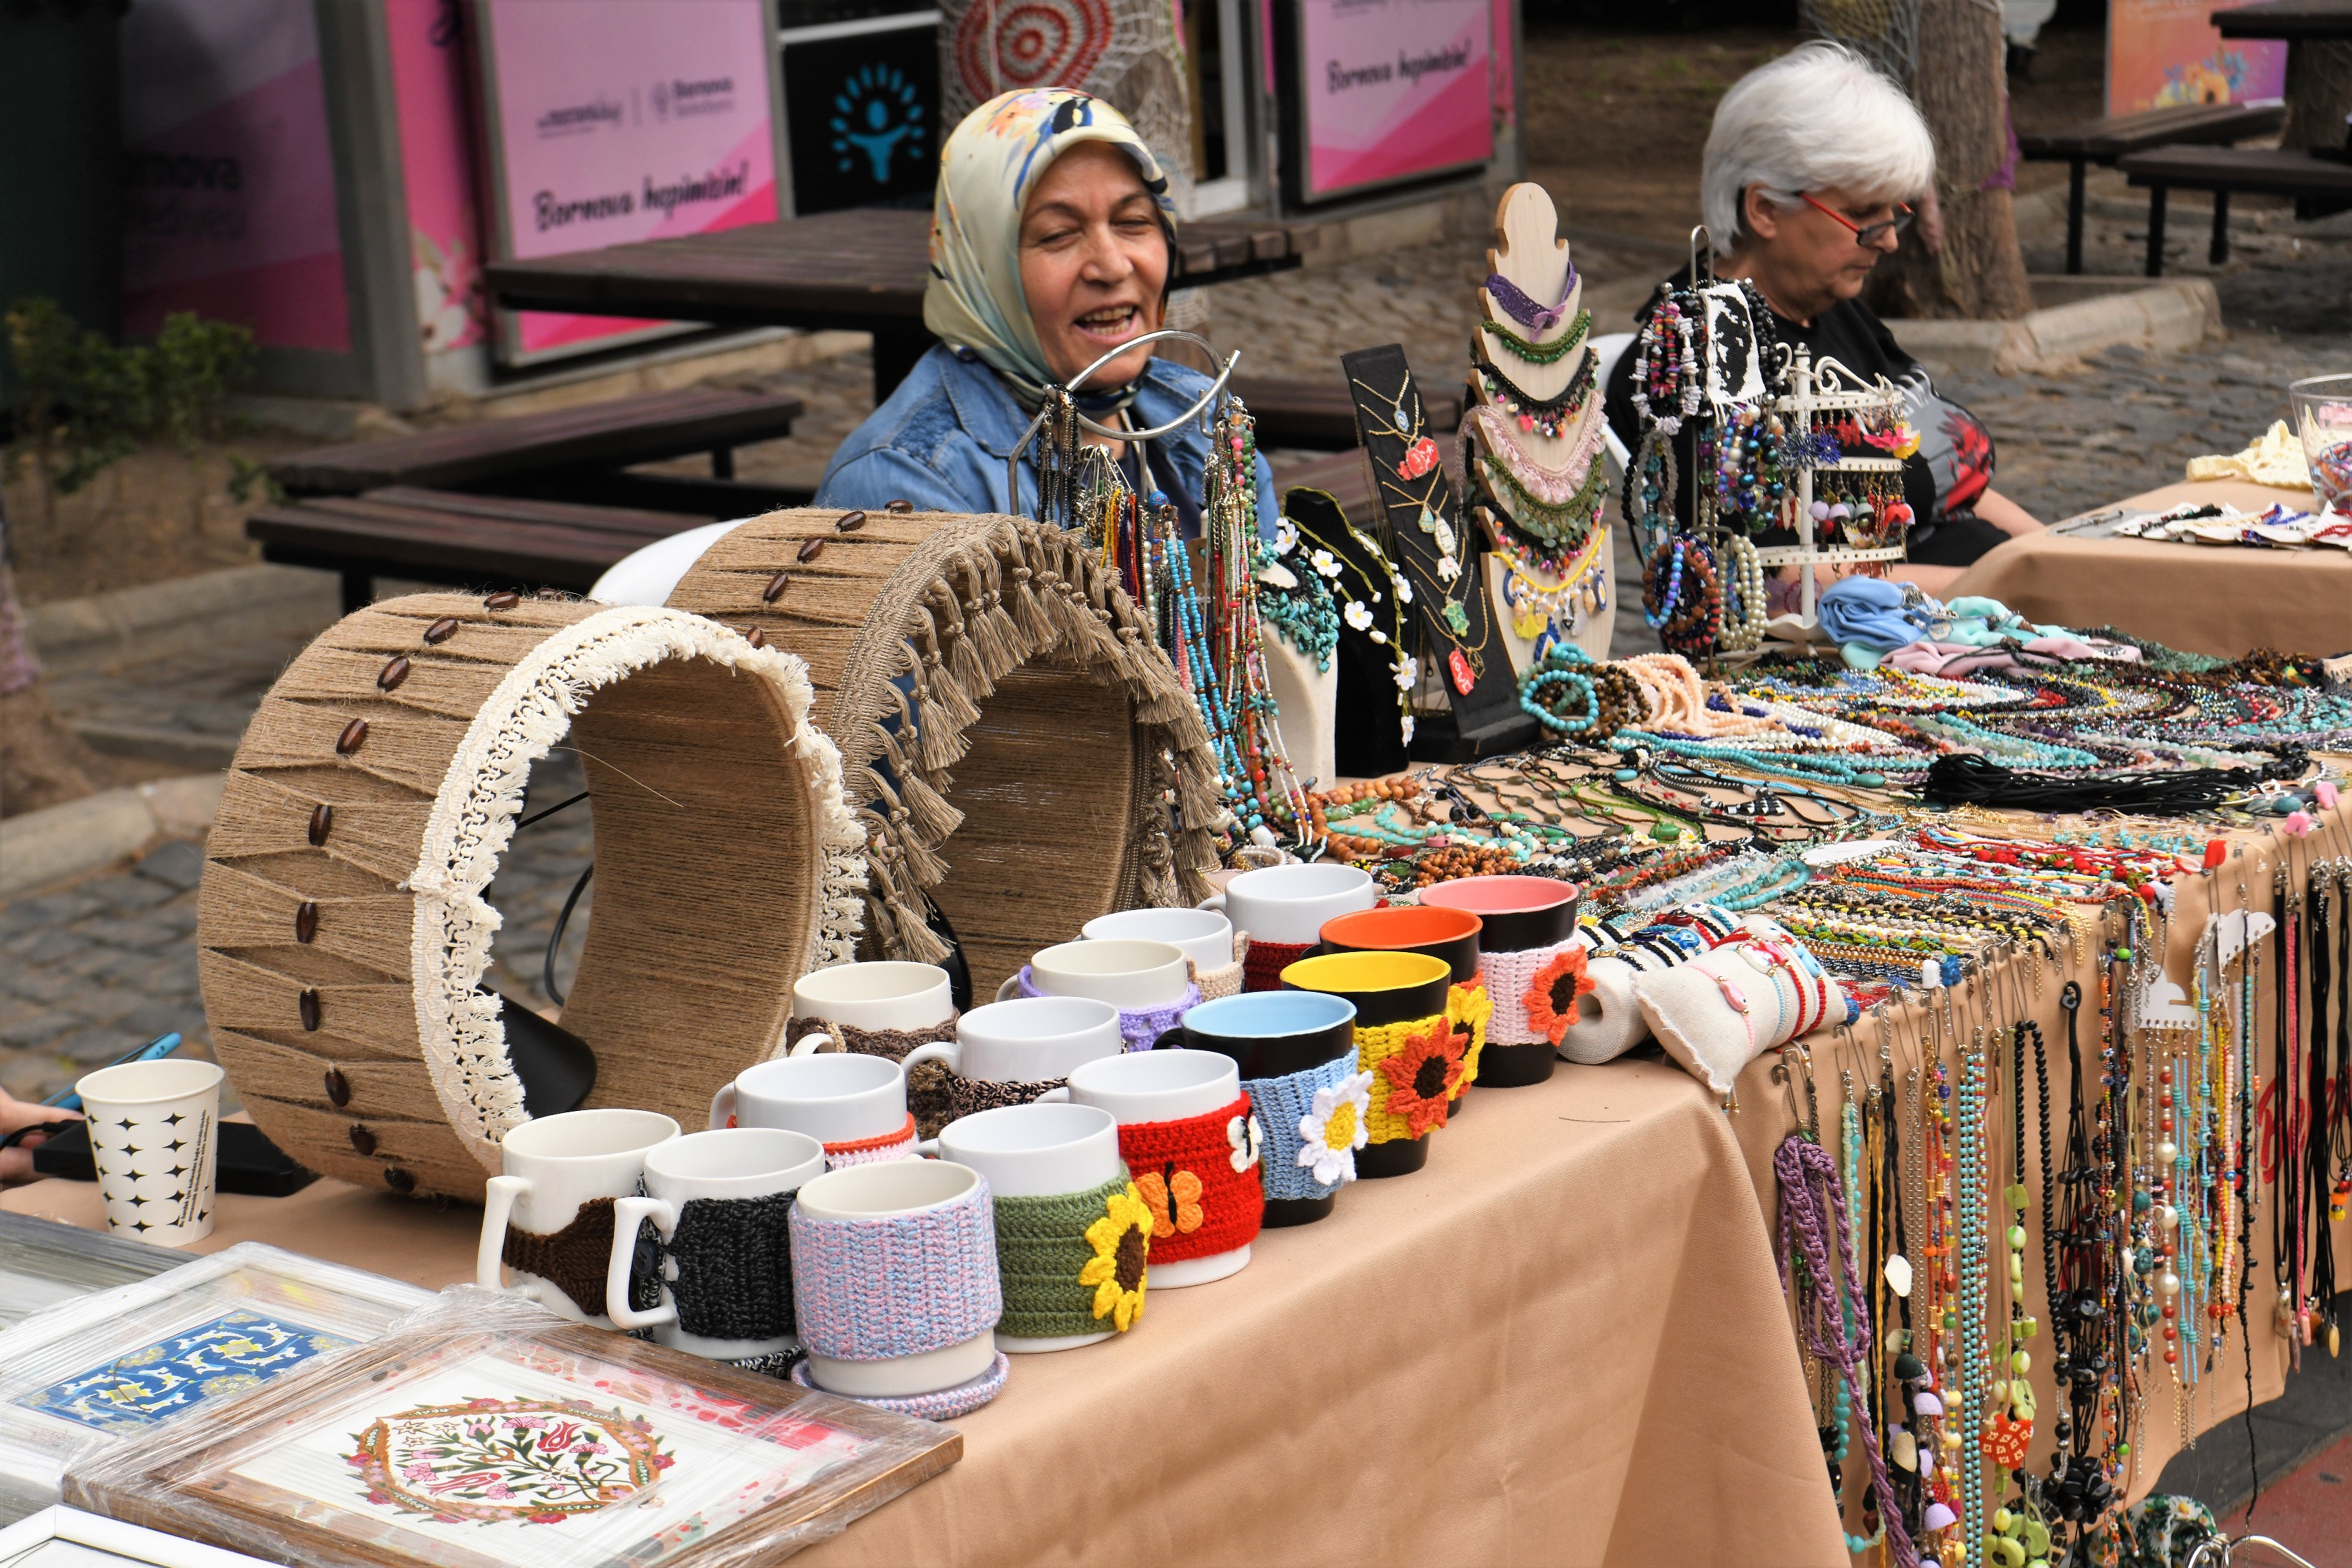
x=989, y=164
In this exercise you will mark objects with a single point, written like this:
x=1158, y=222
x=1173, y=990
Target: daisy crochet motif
x=1336, y=1125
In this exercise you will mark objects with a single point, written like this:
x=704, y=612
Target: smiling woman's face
x=1093, y=262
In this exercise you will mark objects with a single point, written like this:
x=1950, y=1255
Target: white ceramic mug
x=1289, y=903
x=1027, y=1039
x=1203, y=935
x=838, y=1097
x=1165, y=1086
x=883, y=1192
x=549, y=1167
x=883, y=996
x=154, y=1137
x=1131, y=976
x=730, y=1163
x=1036, y=1151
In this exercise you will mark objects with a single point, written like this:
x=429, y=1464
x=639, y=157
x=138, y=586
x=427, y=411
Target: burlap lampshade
x=1082, y=779
x=342, y=926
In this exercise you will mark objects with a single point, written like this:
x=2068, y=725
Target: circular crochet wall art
x=343, y=927
x=1015, y=745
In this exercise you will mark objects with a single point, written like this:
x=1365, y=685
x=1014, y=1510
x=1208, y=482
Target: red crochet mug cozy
x=1198, y=1178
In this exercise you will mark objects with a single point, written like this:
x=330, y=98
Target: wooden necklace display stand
x=1528, y=253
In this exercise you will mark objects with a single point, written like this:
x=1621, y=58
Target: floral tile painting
x=234, y=1351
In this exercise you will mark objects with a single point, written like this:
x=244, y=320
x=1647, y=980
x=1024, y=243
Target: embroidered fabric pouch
x=1469, y=1005
x=1198, y=1177
x=898, y=1145
x=1416, y=1066
x=1261, y=969
x=1314, y=1122
x=734, y=1260
x=1141, y=1029
x=867, y=1289
x=1534, y=991
x=1072, y=1263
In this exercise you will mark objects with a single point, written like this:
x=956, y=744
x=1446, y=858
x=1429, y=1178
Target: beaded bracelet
x=901, y=1284
x=1416, y=1068
x=1198, y=1177
x=1072, y=1263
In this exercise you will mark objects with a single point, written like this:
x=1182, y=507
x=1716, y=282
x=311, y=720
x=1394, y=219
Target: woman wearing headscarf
x=1051, y=233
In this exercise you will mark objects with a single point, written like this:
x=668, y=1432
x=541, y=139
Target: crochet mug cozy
x=1198, y=1178
x=897, y=1284
x=1294, y=1049
x=1521, y=915
x=1140, y=1026
x=1261, y=969
x=944, y=1404
x=1403, y=1002
x=1535, y=992
x=898, y=1145
x=892, y=1043
x=1072, y=1263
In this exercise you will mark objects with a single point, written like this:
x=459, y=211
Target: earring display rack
x=1818, y=387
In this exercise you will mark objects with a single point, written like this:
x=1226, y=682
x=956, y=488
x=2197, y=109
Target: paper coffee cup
x=155, y=1133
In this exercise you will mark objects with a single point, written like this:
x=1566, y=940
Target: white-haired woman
x=1811, y=171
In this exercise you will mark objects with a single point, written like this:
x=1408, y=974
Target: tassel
x=923, y=868
x=1029, y=613
x=927, y=809
x=880, y=929
x=951, y=695
x=917, y=943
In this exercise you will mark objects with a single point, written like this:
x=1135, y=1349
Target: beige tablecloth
x=2207, y=599
x=1562, y=1341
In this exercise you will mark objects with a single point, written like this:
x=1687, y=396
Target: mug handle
x=1215, y=901
x=722, y=1106
x=499, y=1196
x=932, y=1051
x=1010, y=988
x=1057, y=1095
x=628, y=1213
x=927, y=1149
x=811, y=1043
x=1177, y=1034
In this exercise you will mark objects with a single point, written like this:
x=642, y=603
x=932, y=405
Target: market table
x=861, y=270
x=2289, y=19
x=2222, y=599
x=1562, y=1341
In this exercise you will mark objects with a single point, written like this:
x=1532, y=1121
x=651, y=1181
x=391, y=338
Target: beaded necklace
x=1549, y=354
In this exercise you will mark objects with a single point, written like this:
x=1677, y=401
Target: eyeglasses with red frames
x=1864, y=235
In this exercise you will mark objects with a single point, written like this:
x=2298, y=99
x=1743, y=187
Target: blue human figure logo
x=876, y=111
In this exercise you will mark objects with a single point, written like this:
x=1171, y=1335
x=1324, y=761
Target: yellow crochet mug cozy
x=1405, y=1038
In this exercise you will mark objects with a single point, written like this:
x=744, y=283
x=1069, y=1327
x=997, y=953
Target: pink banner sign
x=2165, y=53
x=228, y=174
x=1393, y=90
x=620, y=120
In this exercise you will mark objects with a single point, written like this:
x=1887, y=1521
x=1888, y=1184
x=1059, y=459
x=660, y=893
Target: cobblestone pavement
x=108, y=963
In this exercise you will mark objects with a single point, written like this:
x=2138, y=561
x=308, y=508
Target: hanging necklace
x=1546, y=415
x=1420, y=453
x=1549, y=354
x=1516, y=304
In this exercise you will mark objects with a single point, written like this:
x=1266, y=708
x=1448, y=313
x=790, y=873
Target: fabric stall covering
x=1564, y=1341
x=2221, y=599
x=1763, y=1120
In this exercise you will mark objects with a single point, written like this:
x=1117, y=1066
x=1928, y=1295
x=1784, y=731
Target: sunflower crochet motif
x=1422, y=1074
x=1122, y=1242
x=1551, y=994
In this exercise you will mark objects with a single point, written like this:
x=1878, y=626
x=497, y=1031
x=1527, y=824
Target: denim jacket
x=941, y=439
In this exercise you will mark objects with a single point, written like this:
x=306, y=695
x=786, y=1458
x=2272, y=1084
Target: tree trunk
x=42, y=762
x=1977, y=272
x=2318, y=93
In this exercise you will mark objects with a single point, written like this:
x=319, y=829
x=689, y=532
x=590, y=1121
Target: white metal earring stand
x=1814, y=387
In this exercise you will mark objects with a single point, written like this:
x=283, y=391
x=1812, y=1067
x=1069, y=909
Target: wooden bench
x=1319, y=416
x=493, y=454
x=2103, y=141
x=2319, y=185
x=451, y=536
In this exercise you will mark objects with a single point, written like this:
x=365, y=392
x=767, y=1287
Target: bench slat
x=2106, y=139
x=2268, y=171
x=605, y=436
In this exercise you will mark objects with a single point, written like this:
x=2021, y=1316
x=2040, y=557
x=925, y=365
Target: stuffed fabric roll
x=1608, y=1020
x=1726, y=1007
